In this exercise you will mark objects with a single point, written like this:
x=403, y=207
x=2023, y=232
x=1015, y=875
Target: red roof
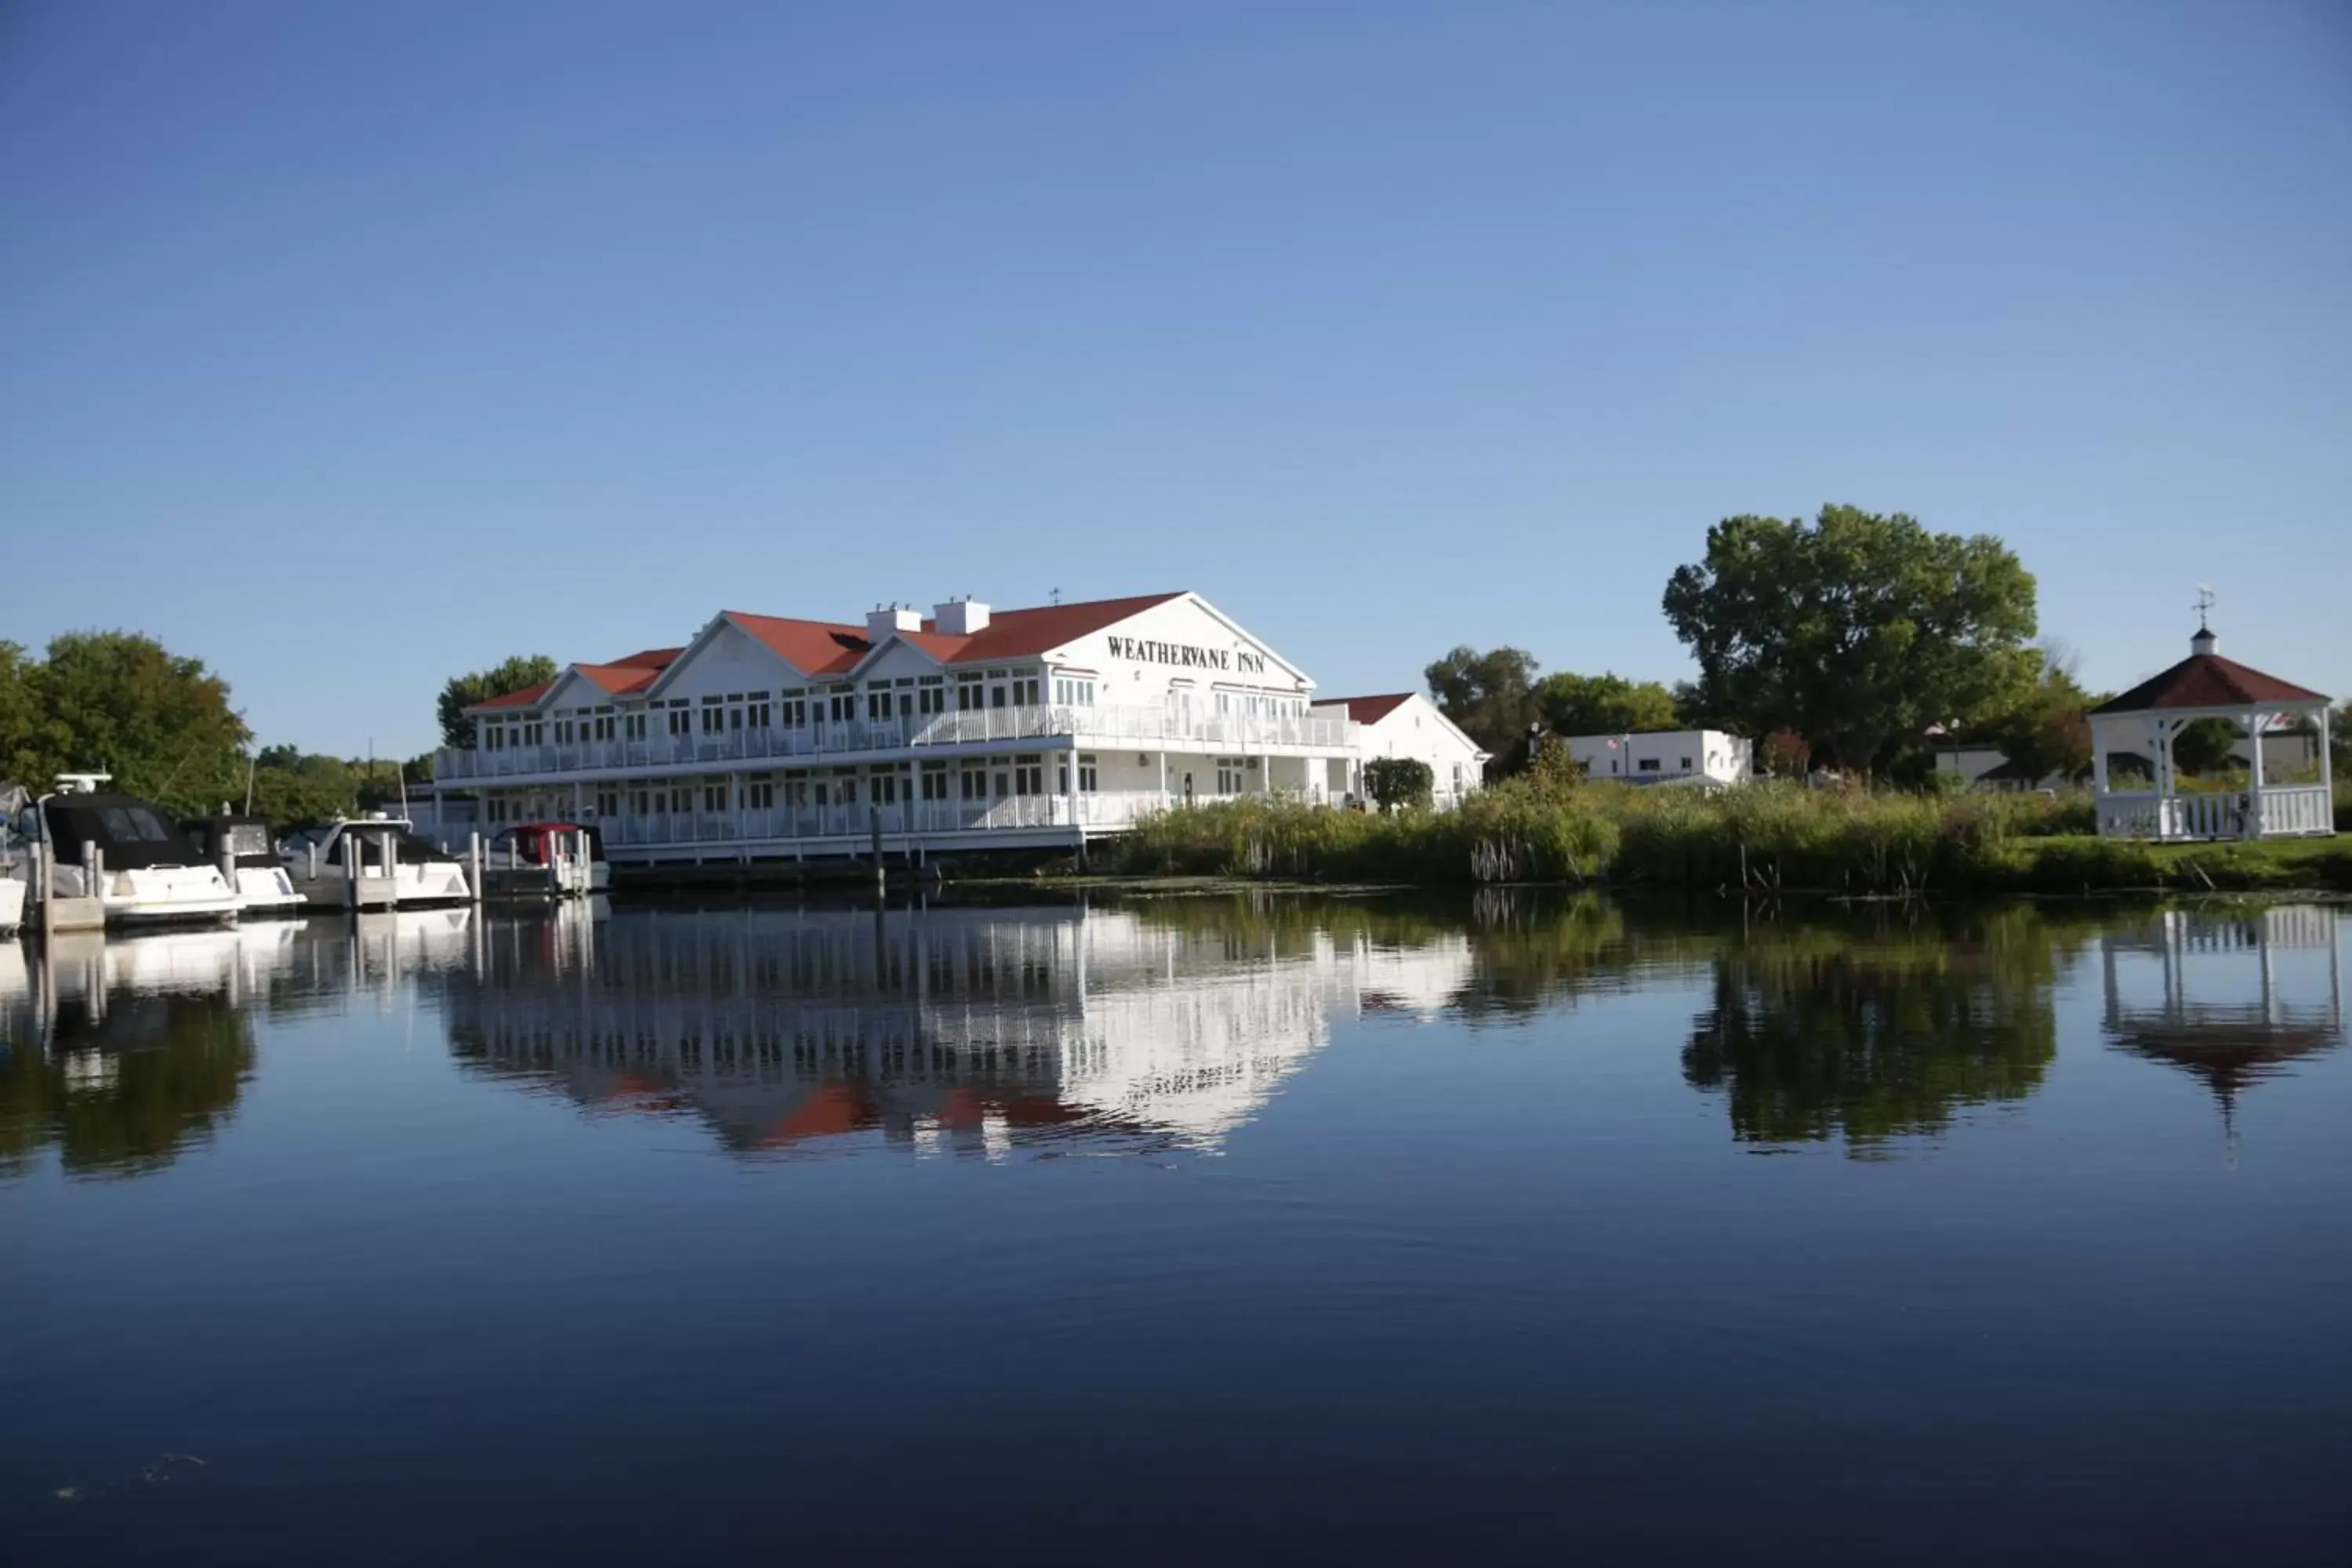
x=1022, y=634
x=836, y=648
x=1368, y=709
x=813, y=648
x=620, y=676
x=2208, y=681
x=833, y=648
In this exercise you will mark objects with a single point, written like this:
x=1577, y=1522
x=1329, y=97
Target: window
x=886, y=786
x=681, y=723
x=1649, y=765
x=714, y=716
x=1687, y=764
x=845, y=785
x=877, y=699
x=935, y=780
x=1086, y=774
x=600, y=728
x=1028, y=776
x=497, y=809
x=564, y=731
x=1229, y=775
x=534, y=733
x=494, y=737
x=633, y=725
x=967, y=693
x=791, y=709
x=796, y=789
x=659, y=804
x=931, y=695
x=641, y=801
x=843, y=706
x=759, y=714
x=715, y=799
x=760, y=792
x=681, y=799
x=975, y=784
x=1024, y=692
x=608, y=803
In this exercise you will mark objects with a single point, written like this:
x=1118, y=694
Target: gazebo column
x=2327, y=770
x=2253, y=827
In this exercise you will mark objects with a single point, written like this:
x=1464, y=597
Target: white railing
x=1113, y=810
x=1107, y=726
x=2297, y=808
x=2284, y=810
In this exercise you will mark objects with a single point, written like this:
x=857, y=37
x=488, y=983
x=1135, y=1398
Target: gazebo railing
x=2231, y=814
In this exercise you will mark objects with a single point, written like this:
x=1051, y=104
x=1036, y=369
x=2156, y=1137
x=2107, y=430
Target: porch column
x=2254, y=828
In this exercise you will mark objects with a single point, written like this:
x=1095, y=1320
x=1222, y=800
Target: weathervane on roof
x=2204, y=602
x=1056, y=596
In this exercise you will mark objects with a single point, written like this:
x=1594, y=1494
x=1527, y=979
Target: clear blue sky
x=351, y=346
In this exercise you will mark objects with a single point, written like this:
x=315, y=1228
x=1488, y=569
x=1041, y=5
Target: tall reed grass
x=1764, y=837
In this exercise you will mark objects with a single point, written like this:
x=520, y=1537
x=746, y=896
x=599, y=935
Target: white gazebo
x=2144, y=722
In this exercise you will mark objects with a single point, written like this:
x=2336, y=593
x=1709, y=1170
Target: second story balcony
x=1108, y=727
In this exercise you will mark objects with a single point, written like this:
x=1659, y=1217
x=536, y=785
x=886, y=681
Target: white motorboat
x=375, y=861
x=241, y=848
x=126, y=855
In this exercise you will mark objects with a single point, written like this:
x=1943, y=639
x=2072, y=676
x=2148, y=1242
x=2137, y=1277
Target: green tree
x=1606, y=704
x=2046, y=732
x=1397, y=782
x=22, y=748
x=2203, y=746
x=122, y=704
x=1857, y=631
x=463, y=691
x=1490, y=695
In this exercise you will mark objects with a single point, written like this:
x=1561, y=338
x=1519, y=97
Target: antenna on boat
x=248, y=786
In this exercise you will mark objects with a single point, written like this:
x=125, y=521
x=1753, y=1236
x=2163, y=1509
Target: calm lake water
x=1182, y=1231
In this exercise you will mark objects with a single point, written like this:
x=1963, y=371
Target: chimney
x=2204, y=641
x=881, y=622
x=961, y=617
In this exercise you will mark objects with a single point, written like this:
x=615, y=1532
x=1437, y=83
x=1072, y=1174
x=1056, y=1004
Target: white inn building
x=773, y=738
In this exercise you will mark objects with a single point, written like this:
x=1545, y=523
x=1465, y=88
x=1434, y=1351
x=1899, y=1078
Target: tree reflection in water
x=1874, y=1029
x=122, y=1092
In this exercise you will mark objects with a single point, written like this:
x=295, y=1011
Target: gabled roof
x=1010, y=634
x=1368, y=709
x=813, y=648
x=523, y=699
x=633, y=672
x=2208, y=681
x=1021, y=634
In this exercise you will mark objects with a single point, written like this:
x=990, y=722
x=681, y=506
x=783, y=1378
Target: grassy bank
x=1765, y=838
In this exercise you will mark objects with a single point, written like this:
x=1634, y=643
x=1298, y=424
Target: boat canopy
x=246, y=837
x=411, y=849
x=130, y=833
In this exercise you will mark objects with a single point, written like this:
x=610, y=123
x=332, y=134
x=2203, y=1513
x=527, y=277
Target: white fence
x=1106, y=726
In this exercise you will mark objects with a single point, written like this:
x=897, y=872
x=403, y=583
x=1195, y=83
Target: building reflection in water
x=1869, y=1030
x=2232, y=1000
x=938, y=1028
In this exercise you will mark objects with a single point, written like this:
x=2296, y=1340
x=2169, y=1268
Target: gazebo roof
x=2205, y=679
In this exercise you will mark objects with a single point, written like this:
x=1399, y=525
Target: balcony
x=1107, y=727
x=1098, y=812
